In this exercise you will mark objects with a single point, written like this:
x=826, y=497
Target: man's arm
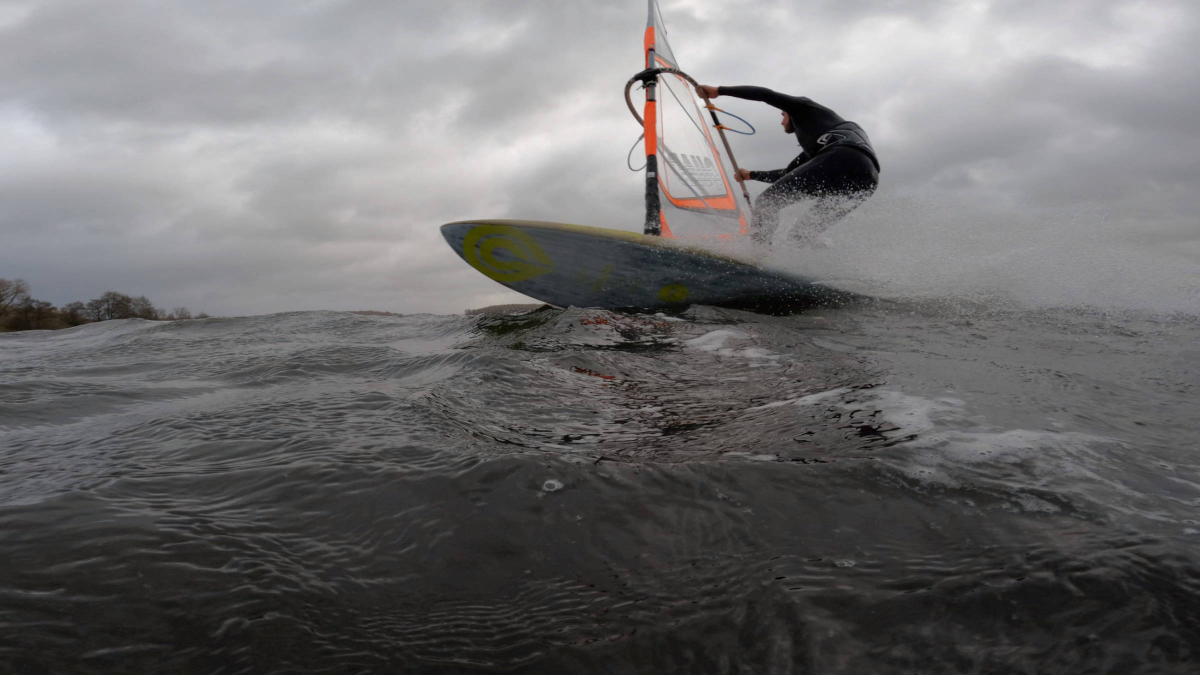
x=766, y=176
x=771, y=98
x=772, y=176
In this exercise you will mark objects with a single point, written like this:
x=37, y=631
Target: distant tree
x=95, y=310
x=73, y=313
x=181, y=313
x=31, y=314
x=141, y=308
x=41, y=314
x=113, y=305
x=12, y=292
x=120, y=306
x=202, y=315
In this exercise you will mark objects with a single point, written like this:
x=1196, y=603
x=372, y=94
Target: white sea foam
x=953, y=448
x=715, y=341
x=803, y=400
x=934, y=246
x=913, y=413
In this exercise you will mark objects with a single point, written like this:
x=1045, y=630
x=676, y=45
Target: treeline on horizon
x=21, y=311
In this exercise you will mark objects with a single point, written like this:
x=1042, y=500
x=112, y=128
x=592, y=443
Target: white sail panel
x=696, y=194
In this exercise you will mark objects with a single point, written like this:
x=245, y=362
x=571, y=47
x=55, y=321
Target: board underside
x=574, y=265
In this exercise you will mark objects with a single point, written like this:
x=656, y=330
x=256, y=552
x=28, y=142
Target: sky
x=248, y=158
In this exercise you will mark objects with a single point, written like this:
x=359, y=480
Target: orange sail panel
x=696, y=194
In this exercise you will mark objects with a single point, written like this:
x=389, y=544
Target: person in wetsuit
x=838, y=167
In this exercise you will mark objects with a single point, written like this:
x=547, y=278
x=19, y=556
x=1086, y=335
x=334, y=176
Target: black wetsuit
x=838, y=167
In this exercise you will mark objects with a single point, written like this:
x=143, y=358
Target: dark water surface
x=902, y=489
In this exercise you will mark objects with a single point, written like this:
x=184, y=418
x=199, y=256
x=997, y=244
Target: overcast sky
x=253, y=157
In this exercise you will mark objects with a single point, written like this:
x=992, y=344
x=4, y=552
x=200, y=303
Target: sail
x=696, y=196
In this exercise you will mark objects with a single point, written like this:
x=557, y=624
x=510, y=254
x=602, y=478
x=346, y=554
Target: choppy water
x=892, y=489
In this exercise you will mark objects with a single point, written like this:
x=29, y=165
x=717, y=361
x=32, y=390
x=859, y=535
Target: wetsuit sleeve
x=768, y=176
x=772, y=98
x=772, y=176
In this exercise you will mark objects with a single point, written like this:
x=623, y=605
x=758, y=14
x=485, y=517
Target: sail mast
x=653, y=222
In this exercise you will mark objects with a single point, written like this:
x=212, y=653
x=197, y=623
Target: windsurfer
x=838, y=167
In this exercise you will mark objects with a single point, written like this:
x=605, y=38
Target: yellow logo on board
x=673, y=293
x=482, y=242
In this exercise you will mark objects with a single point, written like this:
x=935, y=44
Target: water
x=907, y=487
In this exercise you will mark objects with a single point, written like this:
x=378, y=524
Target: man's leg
x=839, y=180
x=826, y=211
x=794, y=187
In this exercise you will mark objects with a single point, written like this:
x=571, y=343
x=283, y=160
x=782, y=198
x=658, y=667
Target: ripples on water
x=874, y=490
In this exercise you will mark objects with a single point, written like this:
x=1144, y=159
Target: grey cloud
x=253, y=157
